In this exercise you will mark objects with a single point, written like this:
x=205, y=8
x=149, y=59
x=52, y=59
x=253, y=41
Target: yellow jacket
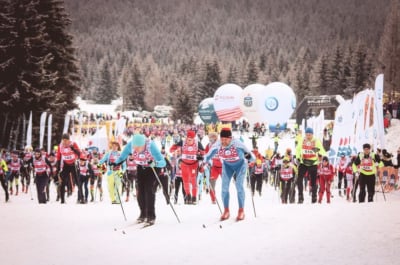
x=4, y=166
x=367, y=170
x=307, y=151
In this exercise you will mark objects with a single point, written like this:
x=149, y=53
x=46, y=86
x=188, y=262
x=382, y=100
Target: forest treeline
x=153, y=52
x=178, y=52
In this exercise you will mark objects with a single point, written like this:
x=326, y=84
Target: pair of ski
x=221, y=223
x=140, y=225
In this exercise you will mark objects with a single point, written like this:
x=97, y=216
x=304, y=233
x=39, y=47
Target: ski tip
x=123, y=232
x=220, y=226
x=204, y=226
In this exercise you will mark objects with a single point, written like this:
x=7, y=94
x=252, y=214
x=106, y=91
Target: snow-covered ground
x=338, y=233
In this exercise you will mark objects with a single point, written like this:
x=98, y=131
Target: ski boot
x=240, y=215
x=225, y=215
x=194, y=200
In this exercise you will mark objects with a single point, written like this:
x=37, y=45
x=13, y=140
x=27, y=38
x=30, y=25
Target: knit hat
x=83, y=156
x=226, y=133
x=366, y=146
x=309, y=130
x=138, y=140
x=65, y=136
x=190, y=134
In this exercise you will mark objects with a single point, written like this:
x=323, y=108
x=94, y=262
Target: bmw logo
x=271, y=103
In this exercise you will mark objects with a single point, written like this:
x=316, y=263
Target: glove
x=199, y=157
x=315, y=149
x=247, y=156
x=112, y=164
x=74, y=150
x=151, y=163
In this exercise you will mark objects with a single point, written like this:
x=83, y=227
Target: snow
x=338, y=233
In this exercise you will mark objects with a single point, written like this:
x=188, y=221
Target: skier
x=326, y=174
x=341, y=169
x=366, y=173
x=287, y=174
x=215, y=169
x=53, y=175
x=233, y=154
x=192, y=153
x=41, y=165
x=164, y=176
x=114, y=172
x=67, y=154
x=307, y=156
x=98, y=171
x=15, y=166
x=85, y=173
x=3, y=172
x=178, y=180
x=27, y=170
x=349, y=177
x=130, y=175
x=256, y=178
x=149, y=161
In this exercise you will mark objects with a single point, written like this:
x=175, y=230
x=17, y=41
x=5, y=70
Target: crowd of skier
x=184, y=165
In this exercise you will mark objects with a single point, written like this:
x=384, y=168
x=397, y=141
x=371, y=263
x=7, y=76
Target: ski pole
x=213, y=191
x=119, y=197
x=292, y=194
x=30, y=187
x=383, y=191
x=170, y=204
x=355, y=186
x=216, y=200
x=254, y=207
x=95, y=192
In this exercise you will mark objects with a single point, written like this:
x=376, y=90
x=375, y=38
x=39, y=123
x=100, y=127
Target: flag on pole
x=49, y=128
x=379, y=110
x=42, y=127
x=66, y=123
x=29, y=131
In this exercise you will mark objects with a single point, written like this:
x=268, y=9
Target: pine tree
x=389, y=50
x=28, y=84
x=7, y=65
x=103, y=91
x=212, y=80
x=172, y=90
x=63, y=66
x=338, y=81
x=183, y=107
x=155, y=88
x=252, y=73
x=360, y=68
x=232, y=75
x=263, y=62
x=32, y=80
x=136, y=93
x=323, y=75
x=7, y=61
x=347, y=72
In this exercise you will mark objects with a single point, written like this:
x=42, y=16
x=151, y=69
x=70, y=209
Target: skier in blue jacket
x=147, y=157
x=234, y=155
